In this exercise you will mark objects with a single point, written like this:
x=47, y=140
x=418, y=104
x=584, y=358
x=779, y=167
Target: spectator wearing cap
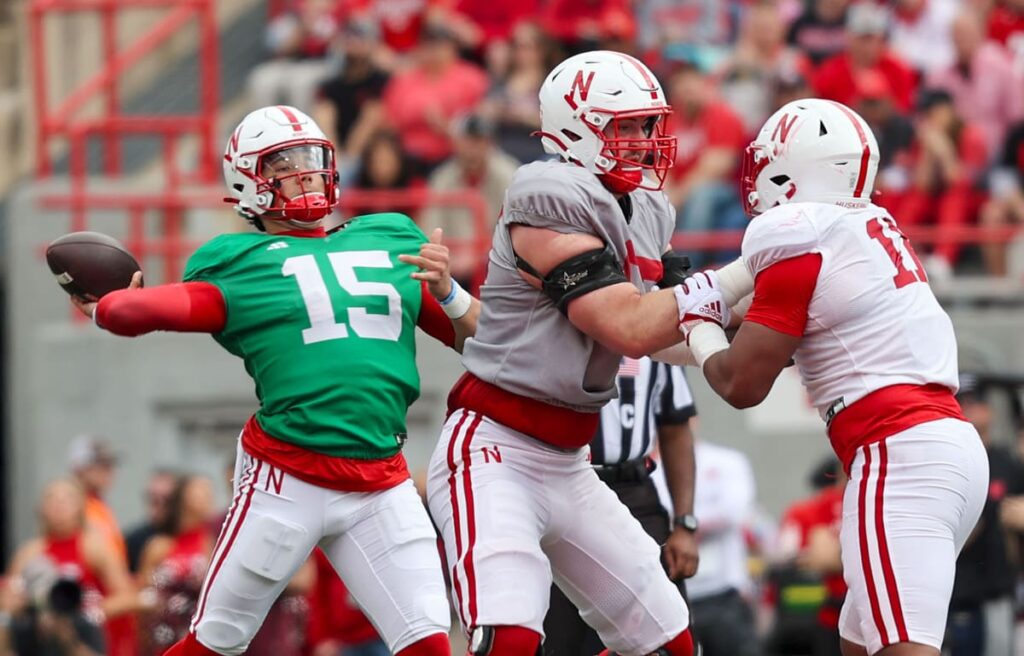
x=513, y=102
x=945, y=164
x=422, y=101
x=477, y=165
x=1005, y=205
x=348, y=105
x=921, y=33
x=711, y=138
x=298, y=41
x=986, y=88
x=761, y=55
x=93, y=463
x=981, y=610
x=866, y=49
x=819, y=32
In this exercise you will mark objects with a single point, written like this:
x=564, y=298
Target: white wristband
x=735, y=281
x=458, y=306
x=679, y=354
x=706, y=339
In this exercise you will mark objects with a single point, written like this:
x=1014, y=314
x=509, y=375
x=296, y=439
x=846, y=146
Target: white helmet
x=274, y=147
x=810, y=150
x=585, y=93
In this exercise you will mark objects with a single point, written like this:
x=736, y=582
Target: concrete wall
x=180, y=400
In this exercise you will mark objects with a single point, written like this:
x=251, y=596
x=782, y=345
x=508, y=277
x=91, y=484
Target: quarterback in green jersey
x=324, y=325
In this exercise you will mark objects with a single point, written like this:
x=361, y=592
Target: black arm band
x=674, y=268
x=579, y=275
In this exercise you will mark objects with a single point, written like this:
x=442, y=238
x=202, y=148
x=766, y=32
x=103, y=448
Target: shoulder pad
x=779, y=234
x=558, y=196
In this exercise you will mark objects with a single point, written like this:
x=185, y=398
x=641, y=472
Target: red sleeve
x=434, y=321
x=187, y=307
x=782, y=293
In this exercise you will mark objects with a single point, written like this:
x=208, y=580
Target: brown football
x=90, y=264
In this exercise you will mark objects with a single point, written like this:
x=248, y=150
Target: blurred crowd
x=765, y=586
x=440, y=97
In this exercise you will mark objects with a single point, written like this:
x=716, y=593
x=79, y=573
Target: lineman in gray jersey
x=579, y=246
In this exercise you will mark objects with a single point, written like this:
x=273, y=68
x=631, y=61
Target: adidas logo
x=276, y=245
x=713, y=310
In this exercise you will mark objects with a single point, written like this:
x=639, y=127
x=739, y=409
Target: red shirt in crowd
x=412, y=94
x=825, y=509
x=1004, y=23
x=836, y=80
x=715, y=126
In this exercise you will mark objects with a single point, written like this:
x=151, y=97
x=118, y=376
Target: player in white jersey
x=579, y=245
x=840, y=290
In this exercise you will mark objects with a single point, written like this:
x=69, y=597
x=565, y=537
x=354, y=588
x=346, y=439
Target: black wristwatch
x=689, y=522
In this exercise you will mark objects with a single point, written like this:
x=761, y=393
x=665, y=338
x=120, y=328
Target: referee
x=654, y=407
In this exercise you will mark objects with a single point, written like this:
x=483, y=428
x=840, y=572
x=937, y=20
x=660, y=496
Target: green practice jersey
x=326, y=329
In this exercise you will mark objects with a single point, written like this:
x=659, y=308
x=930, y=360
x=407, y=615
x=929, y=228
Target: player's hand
x=87, y=305
x=700, y=300
x=433, y=264
x=681, y=554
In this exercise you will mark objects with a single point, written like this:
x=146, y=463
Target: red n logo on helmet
x=233, y=143
x=784, y=126
x=579, y=86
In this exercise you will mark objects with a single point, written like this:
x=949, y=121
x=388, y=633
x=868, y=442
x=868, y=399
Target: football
x=90, y=264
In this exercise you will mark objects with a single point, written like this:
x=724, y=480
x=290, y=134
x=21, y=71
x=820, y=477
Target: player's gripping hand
x=699, y=301
x=87, y=306
x=433, y=264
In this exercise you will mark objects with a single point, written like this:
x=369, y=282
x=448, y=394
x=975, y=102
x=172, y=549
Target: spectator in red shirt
x=711, y=139
x=1006, y=25
x=336, y=625
x=422, y=101
x=866, y=49
x=583, y=24
x=809, y=539
x=946, y=162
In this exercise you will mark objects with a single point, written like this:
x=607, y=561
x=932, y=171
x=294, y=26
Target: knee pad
x=433, y=645
x=504, y=641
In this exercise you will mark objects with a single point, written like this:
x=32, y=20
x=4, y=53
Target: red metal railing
x=60, y=120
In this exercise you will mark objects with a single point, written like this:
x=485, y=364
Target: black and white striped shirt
x=651, y=394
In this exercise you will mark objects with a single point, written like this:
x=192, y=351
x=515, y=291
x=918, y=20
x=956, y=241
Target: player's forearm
x=722, y=372
x=180, y=307
x=626, y=321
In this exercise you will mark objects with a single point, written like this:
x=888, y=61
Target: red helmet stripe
x=643, y=72
x=292, y=118
x=865, y=155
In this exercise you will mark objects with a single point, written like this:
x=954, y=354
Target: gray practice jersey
x=523, y=344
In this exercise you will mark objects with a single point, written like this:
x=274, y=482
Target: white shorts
x=912, y=501
x=515, y=514
x=382, y=544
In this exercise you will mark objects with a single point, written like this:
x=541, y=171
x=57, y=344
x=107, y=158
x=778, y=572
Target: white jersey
x=873, y=321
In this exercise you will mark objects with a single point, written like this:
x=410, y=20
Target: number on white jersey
x=322, y=324
x=884, y=230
